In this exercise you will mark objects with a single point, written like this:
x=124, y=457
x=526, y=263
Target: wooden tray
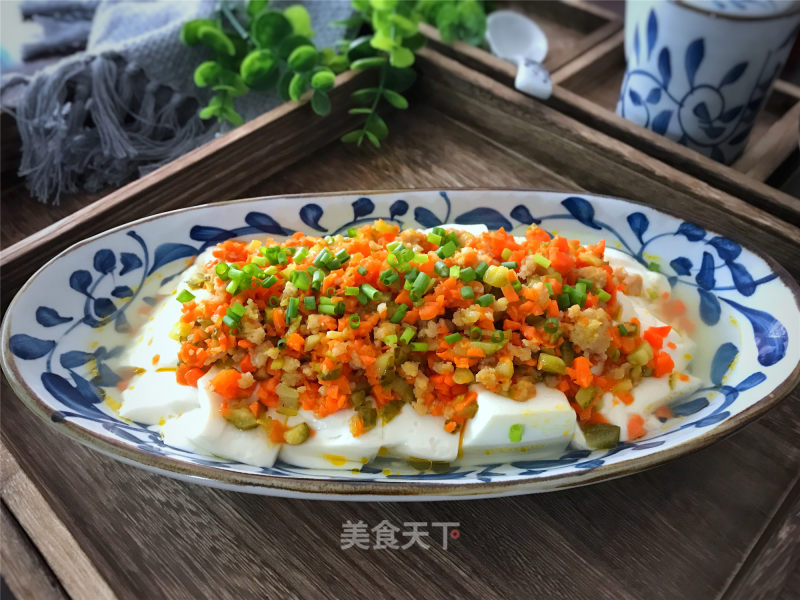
x=587, y=88
x=93, y=527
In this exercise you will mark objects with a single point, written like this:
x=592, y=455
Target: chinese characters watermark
x=386, y=536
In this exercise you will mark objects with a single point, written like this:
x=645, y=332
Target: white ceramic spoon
x=517, y=39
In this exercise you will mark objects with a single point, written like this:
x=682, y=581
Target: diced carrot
x=635, y=427
x=296, y=342
x=192, y=375
x=245, y=344
x=663, y=364
x=247, y=365
x=226, y=383
x=663, y=412
x=450, y=426
x=254, y=408
x=580, y=371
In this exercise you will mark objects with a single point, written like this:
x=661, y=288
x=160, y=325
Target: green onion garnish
x=511, y=264
x=419, y=346
x=322, y=258
x=355, y=321
x=327, y=309
x=420, y=285
x=551, y=325
x=222, y=271
x=301, y=254
x=455, y=271
x=269, y=281
x=399, y=313
x=184, y=296
x=549, y=288
x=452, y=338
x=338, y=309
x=439, y=231
x=516, y=285
x=434, y=239
x=310, y=303
x=467, y=275
x=261, y=261
x=408, y=335
x=237, y=309
x=316, y=280
x=362, y=299
x=441, y=269
x=622, y=329
x=369, y=291
x=342, y=256
x=351, y=291
x=485, y=300
x=325, y=300
x=232, y=287
x=230, y=322
x=447, y=250
x=362, y=270
x=497, y=336
x=352, y=232
x=273, y=301
x=467, y=292
x=412, y=274
x=475, y=333
x=281, y=344
x=420, y=259
x=564, y=301
x=388, y=277
x=506, y=253
x=541, y=260
x=330, y=292
x=603, y=295
x=480, y=269
x=301, y=280
x=390, y=339
x=293, y=309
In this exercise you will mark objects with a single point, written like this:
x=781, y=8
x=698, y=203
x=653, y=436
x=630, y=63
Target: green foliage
x=268, y=49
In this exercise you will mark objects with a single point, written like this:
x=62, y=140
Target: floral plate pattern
x=64, y=328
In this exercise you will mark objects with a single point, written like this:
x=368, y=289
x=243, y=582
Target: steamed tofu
x=332, y=445
x=411, y=435
x=473, y=229
x=504, y=429
x=154, y=341
x=155, y=395
x=205, y=428
x=651, y=281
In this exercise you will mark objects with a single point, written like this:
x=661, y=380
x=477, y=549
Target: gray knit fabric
x=126, y=105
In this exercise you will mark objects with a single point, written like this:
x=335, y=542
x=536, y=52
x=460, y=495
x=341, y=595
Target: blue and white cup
x=699, y=71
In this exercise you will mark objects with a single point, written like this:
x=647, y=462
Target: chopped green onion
x=316, y=280
x=587, y=282
x=420, y=259
x=232, y=287
x=269, y=281
x=388, y=277
x=551, y=364
x=408, y=285
x=327, y=309
x=399, y=313
x=362, y=270
x=338, y=309
x=328, y=239
x=511, y=264
x=475, y=333
x=222, y=270
x=549, y=288
x=515, y=433
x=434, y=239
x=237, y=309
x=355, y=321
x=301, y=280
x=292, y=310
x=390, y=339
x=185, y=296
x=412, y=274
x=325, y=300
x=603, y=296
x=322, y=258
x=260, y=261
x=301, y=254
x=230, y=322
x=273, y=270
x=392, y=246
x=369, y=291
x=506, y=253
x=441, y=269
x=352, y=232
x=551, y=325
x=467, y=292
x=408, y=335
x=420, y=285
x=351, y=291
x=654, y=266
x=622, y=329
x=273, y=301
x=452, y=338
x=497, y=336
x=541, y=260
x=439, y=231
x=485, y=300
x=330, y=292
x=393, y=261
x=455, y=271
x=342, y=256
x=362, y=299
x=480, y=269
x=281, y=344
x=419, y=346
x=447, y=250
x=516, y=285
x=310, y=303
x=564, y=301
x=467, y=275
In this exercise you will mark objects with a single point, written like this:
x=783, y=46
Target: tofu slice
x=411, y=435
x=153, y=396
x=473, y=229
x=547, y=424
x=206, y=429
x=331, y=446
x=651, y=281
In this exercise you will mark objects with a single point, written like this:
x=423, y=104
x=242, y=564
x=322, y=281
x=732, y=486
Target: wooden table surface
x=723, y=522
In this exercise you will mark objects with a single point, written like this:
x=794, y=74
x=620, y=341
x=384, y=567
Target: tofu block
x=411, y=435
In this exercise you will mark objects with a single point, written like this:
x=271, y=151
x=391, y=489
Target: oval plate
x=76, y=312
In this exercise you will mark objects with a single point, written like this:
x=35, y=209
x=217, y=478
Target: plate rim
x=372, y=490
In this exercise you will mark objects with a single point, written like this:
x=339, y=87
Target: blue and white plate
x=70, y=319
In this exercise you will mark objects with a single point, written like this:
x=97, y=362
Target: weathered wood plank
x=25, y=572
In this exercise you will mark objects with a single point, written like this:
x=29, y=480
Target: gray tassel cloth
x=127, y=104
